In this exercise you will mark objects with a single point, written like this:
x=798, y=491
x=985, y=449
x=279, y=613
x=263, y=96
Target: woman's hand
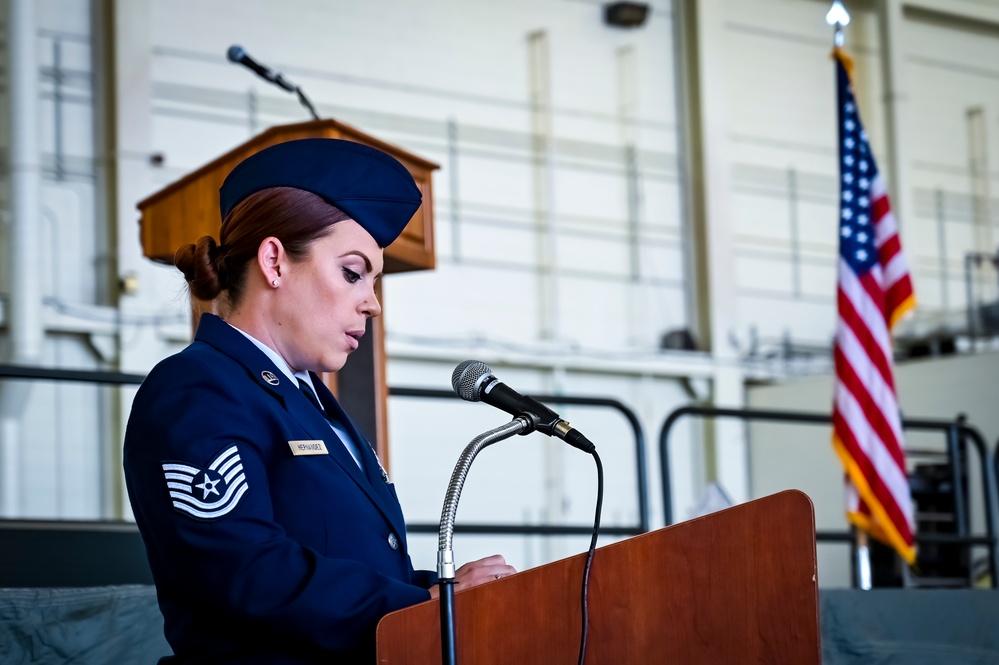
x=479, y=572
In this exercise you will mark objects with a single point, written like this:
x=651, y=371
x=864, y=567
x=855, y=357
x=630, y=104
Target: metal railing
x=956, y=432
x=79, y=375
x=641, y=474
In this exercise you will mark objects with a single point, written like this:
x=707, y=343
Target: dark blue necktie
x=307, y=391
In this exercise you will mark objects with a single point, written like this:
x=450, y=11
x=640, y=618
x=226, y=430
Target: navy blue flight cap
x=372, y=187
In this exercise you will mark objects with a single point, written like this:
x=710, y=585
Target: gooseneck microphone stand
x=445, y=555
x=238, y=55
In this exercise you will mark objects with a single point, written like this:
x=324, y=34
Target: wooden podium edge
x=412, y=635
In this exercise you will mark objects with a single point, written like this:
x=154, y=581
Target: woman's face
x=324, y=301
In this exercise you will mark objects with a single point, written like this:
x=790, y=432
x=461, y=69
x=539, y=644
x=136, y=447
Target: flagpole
x=839, y=18
x=864, y=577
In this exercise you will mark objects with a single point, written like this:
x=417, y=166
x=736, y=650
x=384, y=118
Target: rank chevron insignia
x=211, y=493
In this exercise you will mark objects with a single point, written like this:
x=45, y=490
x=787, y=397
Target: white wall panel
x=772, y=317
x=605, y=255
x=662, y=265
x=762, y=273
x=817, y=223
x=763, y=216
x=425, y=65
x=63, y=428
x=818, y=279
x=598, y=315
x=63, y=441
x=475, y=301
x=508, y=182
x=601, y=192
x=781, y=83
x=949, y=71
x=659, y=203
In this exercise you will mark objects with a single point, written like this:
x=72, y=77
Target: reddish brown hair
x=295, y=217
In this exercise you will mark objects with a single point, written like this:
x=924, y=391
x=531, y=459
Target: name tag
x=309, y=447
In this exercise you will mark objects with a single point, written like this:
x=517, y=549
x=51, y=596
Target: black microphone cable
x=589, y=557
x=474, y=381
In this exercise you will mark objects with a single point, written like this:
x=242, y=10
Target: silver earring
x=274, y=283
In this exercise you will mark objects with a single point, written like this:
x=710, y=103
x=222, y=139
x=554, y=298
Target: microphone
x=238, y=55
x=475, y=382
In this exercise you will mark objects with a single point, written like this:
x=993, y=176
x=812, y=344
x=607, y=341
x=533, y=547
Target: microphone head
x=235, y=53
x=467, y=377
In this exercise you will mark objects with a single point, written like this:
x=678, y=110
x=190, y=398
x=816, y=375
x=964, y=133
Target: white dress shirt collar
x=278, y=361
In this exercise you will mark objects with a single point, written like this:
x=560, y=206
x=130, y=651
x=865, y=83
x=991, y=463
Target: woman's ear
x=272, y=260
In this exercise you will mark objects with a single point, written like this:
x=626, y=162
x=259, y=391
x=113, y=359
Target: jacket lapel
x=377, y=484
x=305, y=413
x=223, y=337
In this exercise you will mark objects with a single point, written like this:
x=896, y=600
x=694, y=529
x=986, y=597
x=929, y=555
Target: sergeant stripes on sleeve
x=228, y=471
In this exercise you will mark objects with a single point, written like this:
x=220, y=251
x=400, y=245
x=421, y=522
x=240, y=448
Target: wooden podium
x=187, y=209
x=738, y=586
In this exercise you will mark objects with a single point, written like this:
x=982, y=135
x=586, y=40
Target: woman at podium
x=272, y=530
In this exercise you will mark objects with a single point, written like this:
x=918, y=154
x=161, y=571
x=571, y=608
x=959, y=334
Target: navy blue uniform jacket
x=260, y=556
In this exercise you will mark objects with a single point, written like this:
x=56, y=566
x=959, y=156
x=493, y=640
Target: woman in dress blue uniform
x=273, y=534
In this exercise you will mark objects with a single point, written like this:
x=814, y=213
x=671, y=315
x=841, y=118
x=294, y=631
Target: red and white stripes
x=867, y=428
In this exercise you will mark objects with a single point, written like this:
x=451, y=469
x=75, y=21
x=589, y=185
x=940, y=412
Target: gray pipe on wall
x=25, y=326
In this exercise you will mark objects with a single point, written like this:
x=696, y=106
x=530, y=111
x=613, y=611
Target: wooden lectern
x=738, y=586
x=185, y=210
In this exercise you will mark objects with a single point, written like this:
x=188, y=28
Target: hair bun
x=200, y=264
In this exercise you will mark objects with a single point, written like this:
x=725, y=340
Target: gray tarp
x=89, y=625
x=122, y=624
x=909, y=627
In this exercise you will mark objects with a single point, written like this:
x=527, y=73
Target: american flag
x=874, y=290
